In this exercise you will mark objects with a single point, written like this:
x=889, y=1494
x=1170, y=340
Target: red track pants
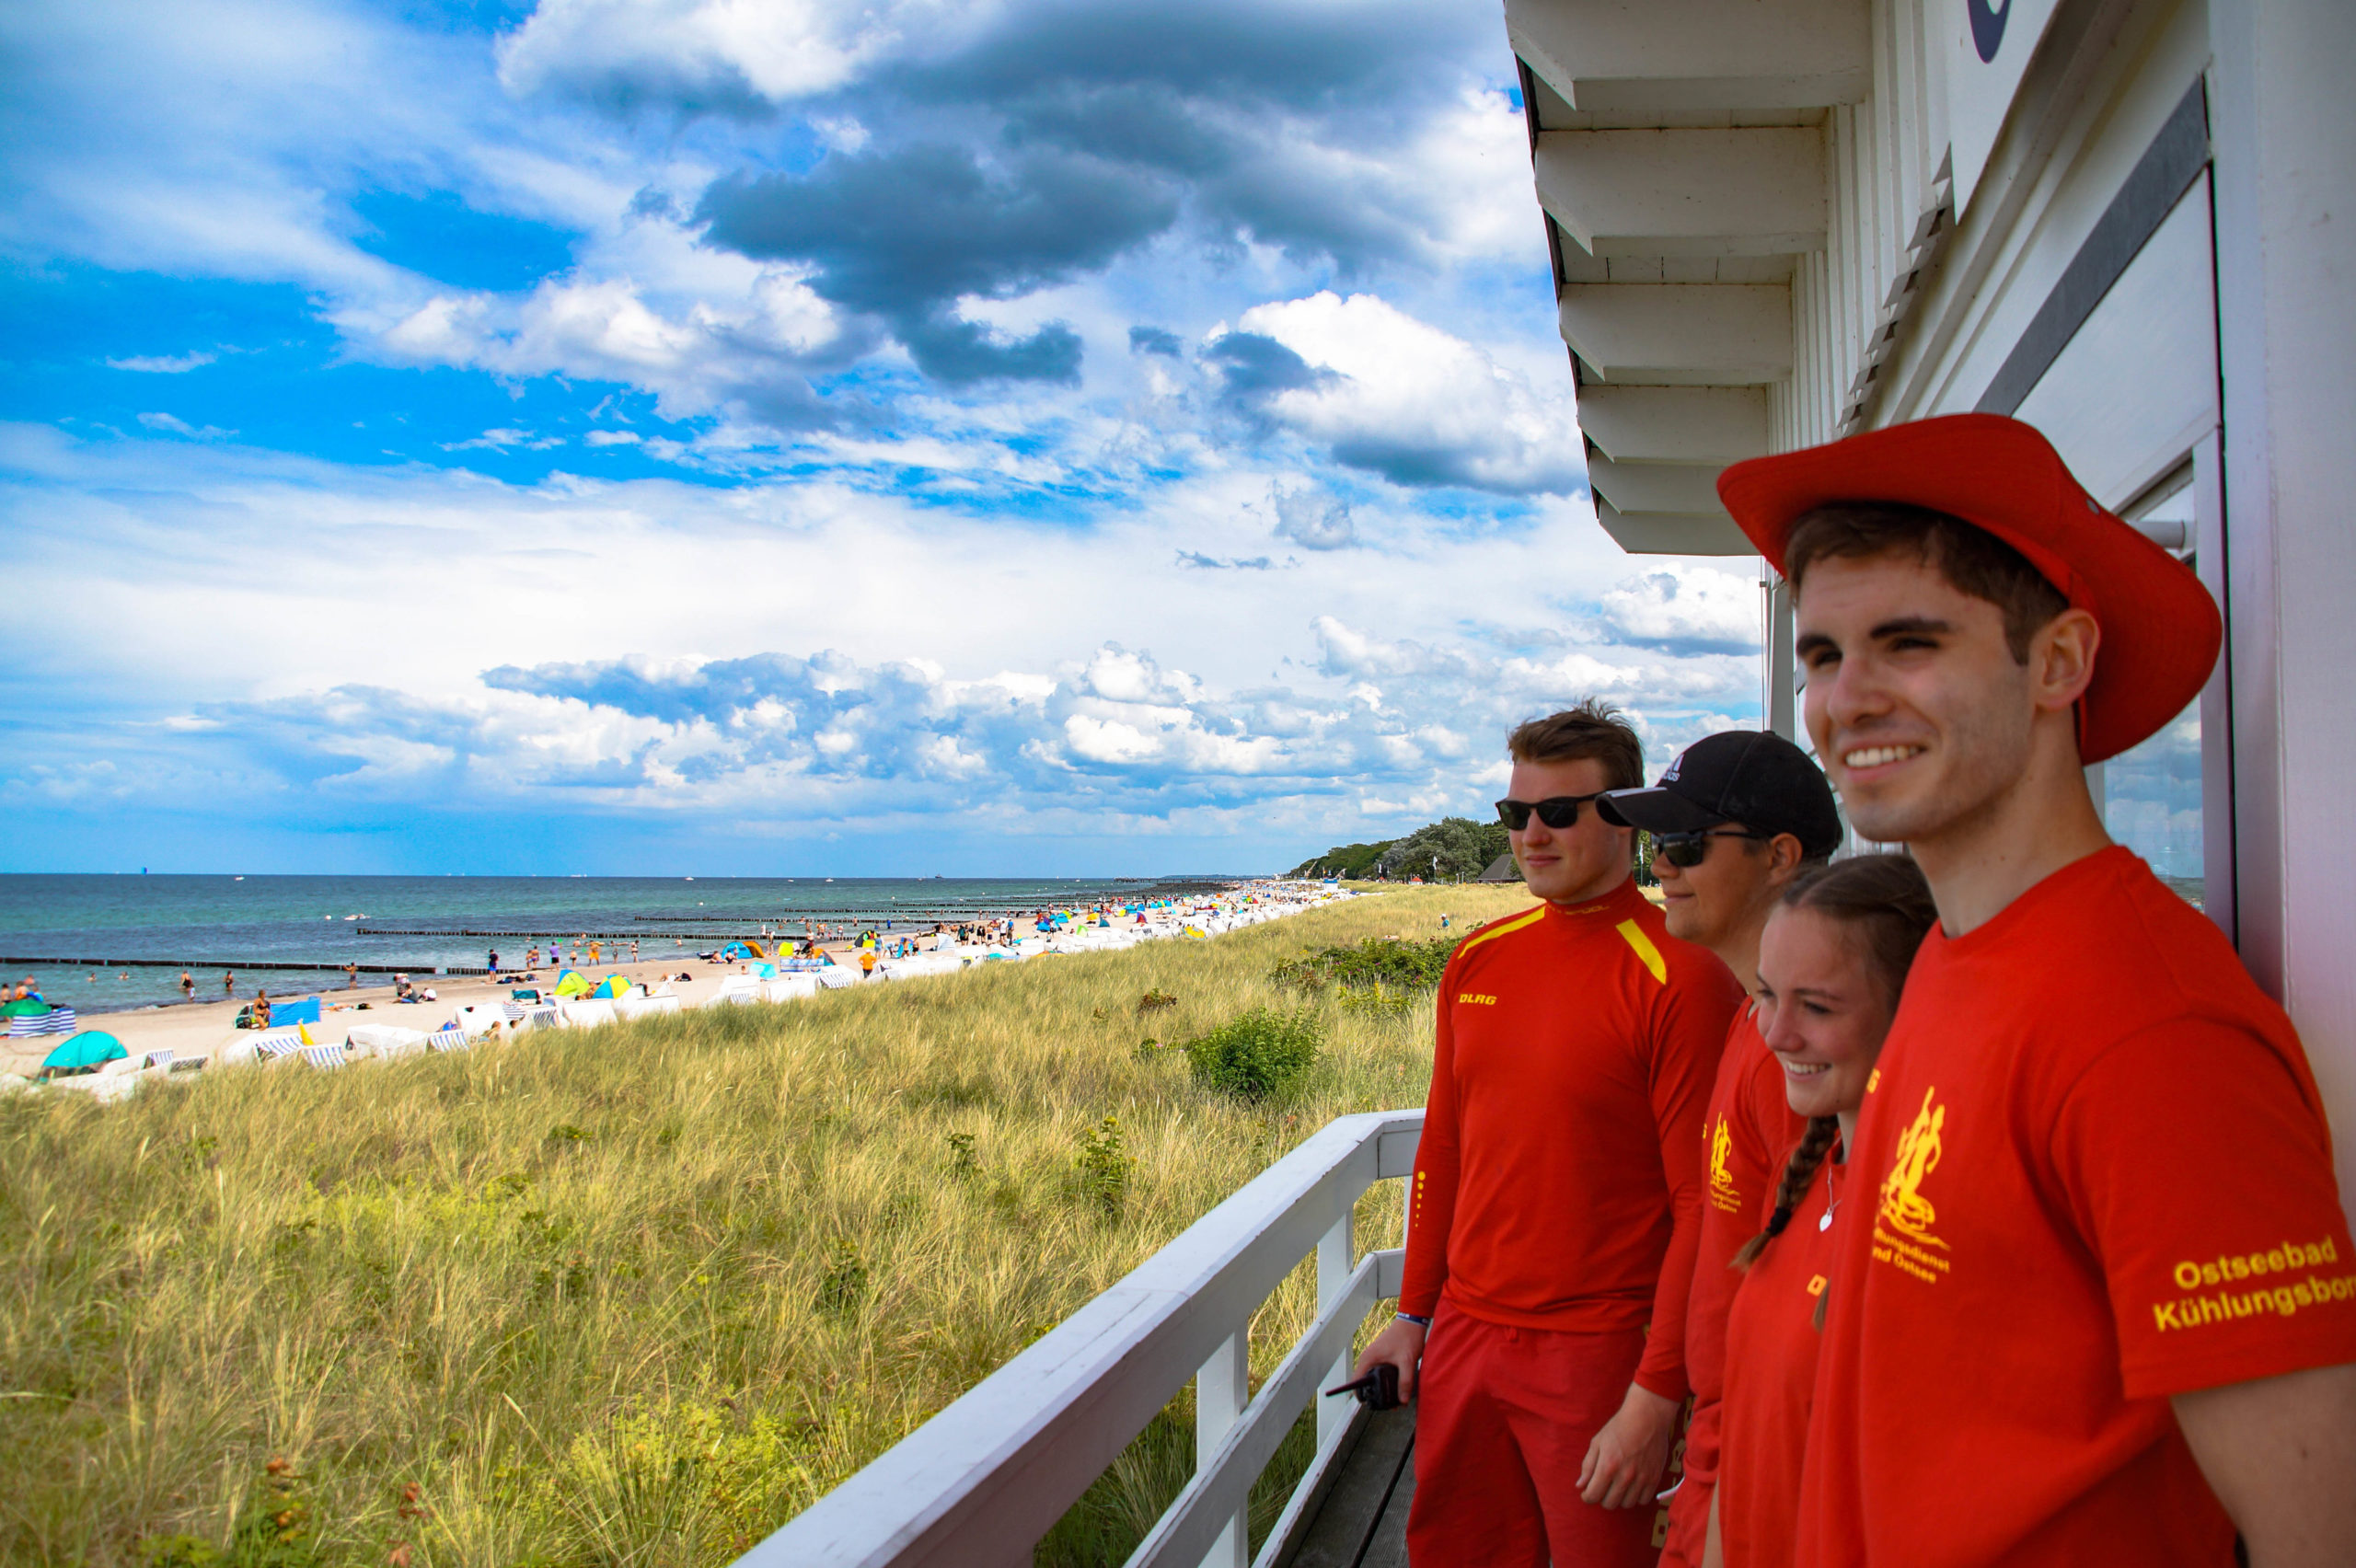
x=1503, y=1420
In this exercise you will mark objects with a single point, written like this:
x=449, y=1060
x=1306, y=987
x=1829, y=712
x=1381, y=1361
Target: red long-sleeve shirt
x=1559, y=1181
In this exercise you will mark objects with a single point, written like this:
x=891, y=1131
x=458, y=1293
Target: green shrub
x=844, y=1286
x=1257, y=1054
x=1391, y=964
x=1102, y=1165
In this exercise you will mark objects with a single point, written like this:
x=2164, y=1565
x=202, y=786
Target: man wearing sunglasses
x=1556, y=1200
x=1734, y=819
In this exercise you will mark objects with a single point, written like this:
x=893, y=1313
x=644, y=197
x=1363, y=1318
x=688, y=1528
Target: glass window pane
x=2152, y=794
x=2152, y=802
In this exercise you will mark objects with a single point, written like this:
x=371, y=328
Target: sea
x=110, y=943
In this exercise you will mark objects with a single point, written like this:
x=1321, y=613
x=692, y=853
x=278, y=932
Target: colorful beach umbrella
x=571, y=983
x=610, y=987
x=87, y=1049
x=24, y=1007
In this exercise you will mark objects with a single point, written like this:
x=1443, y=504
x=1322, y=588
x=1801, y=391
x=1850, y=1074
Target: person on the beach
x=491, y=963
x=2103, y=1307
x=866, y=963
x=352, y=976
x=1832, y=965
x=228, y=983
x=1556, y=1200
x=1733, y=820
x=188, y=986
x=593, y=954
x=633, y=952
x=261, y=1008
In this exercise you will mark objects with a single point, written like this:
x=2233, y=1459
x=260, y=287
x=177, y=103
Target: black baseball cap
x=1752, y=776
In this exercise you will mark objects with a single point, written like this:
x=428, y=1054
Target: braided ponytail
x=1798, y=1172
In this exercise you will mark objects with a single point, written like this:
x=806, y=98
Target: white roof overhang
x=1679, y=155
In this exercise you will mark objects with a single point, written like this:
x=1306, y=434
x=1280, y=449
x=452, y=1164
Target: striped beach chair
x=56, y=1021
x=272, y=1043
x=156, y=1059
x=327, y=1057
x=449, y=1037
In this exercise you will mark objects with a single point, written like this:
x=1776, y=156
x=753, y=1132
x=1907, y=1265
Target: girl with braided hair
x=1831, y=962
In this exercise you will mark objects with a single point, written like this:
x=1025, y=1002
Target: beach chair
x=449, y=1037
x=272, y=1043
x=56, y=1021
x=653, y=1006
x=105, y=1089
x=157, y=1059
x=121, y=1066
x=837, y=977
x=478, y=1019
x=325, y=1057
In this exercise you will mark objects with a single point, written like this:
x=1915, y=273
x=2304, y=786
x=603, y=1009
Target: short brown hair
x=1971, y=560
x=1594, y=729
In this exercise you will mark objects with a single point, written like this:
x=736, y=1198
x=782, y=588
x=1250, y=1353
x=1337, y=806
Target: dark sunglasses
x=1558, y=811
x=1690, y=848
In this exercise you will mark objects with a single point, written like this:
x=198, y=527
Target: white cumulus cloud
x=1415, y=404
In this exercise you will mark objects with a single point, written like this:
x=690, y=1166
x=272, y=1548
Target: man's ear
x=2062, y=658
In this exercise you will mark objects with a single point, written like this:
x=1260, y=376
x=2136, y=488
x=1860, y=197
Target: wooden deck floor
x=1362, y=1522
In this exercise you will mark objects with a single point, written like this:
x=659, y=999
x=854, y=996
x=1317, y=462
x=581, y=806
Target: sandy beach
x=199, y=1031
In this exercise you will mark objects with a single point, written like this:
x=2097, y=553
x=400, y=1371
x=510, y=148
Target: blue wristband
x=1411, y=1318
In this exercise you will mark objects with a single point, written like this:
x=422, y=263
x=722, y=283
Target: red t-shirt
x=1748, y=1132
x=1771, y=1378
x=2099, y=1175
x=1559, y=1181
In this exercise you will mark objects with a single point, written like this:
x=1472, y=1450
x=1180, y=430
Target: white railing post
x=1334, y=1265
x=1221, y=1389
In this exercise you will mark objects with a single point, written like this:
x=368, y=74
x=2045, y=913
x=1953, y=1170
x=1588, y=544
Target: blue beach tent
x=85, y=1051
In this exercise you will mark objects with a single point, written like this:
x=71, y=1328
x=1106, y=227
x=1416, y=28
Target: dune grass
x=636, y=1295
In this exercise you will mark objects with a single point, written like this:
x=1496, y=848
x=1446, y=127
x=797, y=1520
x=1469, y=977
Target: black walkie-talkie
x=1378, y=1389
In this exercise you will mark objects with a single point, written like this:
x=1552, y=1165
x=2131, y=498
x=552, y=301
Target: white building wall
x=2285, y=117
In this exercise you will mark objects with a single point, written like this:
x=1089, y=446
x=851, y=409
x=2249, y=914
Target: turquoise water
x=291, y=934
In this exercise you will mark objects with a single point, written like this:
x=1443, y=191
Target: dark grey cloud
x=903, y=233
x=1254, y=367
x=1227, y=97
x=1154, y=340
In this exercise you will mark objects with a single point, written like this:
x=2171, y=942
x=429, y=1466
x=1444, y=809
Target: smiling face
x=1568, y=865
x=1924, y=718
x=1821, y=1010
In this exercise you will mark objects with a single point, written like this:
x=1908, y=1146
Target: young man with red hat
x=1733, y=820
x=1557, y=1189
x=2104, y=1307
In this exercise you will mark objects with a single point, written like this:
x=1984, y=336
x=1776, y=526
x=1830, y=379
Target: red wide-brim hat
x=2160, y=629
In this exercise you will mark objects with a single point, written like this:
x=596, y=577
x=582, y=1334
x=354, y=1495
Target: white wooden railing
x=980, y=1483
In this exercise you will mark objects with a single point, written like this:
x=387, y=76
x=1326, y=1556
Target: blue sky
x=688, y=436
